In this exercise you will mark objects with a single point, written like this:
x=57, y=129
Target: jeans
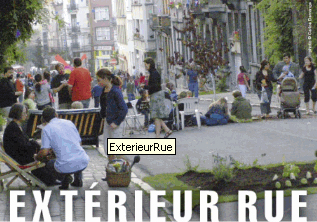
x=266, y=107
x=21, y=98
x=193, y=87
x=146, y=113
x=78, y=176
x=97, y=101
x=85, y=103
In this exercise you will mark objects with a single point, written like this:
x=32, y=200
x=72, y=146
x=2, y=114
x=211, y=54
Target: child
x=130, y=89
x=286, y=73
x=143, y=106
x=96, y=93
x=29, y=97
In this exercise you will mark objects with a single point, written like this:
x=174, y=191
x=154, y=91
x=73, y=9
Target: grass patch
x=201, y=93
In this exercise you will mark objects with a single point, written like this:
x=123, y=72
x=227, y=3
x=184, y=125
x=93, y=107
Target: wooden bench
x=87, y=121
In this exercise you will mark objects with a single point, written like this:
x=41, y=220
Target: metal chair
x=135, y=118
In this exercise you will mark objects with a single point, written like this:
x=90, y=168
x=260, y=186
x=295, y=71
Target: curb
x=168, y=209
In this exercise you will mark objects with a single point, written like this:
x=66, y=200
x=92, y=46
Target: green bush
x=290, y=168
x=223, y=171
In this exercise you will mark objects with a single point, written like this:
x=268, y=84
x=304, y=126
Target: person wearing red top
x=142, y=78
x=80, y=82
x=19, y=87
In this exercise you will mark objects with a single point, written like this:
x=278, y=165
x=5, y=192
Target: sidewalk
x=94, y=172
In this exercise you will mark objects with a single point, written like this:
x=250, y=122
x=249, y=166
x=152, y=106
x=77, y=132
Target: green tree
x=16, y=20
x=287, y=26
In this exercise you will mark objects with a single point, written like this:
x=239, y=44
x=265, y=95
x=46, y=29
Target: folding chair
x=135, y=118
x=19, y=171
x=190, y=108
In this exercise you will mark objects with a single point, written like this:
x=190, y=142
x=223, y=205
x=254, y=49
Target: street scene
x=232, y=82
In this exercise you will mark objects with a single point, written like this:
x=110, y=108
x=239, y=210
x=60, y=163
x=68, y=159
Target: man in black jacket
x=8, y=94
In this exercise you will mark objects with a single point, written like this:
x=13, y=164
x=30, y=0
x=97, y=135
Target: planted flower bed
x=256, y=179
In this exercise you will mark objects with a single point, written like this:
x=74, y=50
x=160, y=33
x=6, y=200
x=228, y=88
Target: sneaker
x=68, y=179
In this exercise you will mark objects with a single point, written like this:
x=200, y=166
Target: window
x=102, y=13
x=103, y=33
x=88, y=19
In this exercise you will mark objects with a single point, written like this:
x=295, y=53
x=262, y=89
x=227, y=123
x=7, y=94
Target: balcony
x=74, y=29
x=72, y=7
x=75, y=45
x=137, y=36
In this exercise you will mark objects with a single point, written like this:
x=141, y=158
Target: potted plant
x=171, y=4
x=179, y=5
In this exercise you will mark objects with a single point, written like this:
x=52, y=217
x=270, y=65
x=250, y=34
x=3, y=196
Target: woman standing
x=309, y=74
x=264, y=78
x=243, y=81
x=42, y=97
x=158, y=110
x=113, y=106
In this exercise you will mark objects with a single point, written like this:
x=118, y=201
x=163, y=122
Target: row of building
x=136, y=29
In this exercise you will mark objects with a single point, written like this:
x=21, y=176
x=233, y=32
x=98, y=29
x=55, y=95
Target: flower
x=171, y=4
x=236, y=36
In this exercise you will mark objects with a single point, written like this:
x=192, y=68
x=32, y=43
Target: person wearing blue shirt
x=63, y=138
x=113, y=106
x=96, y=93
x=193, y=80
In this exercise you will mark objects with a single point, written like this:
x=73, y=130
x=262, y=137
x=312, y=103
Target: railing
x=72, y=7
x=74, y=29
x=75, y=45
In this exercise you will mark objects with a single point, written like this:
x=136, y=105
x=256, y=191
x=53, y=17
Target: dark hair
x=141, y=74
x=18, y=75
x=28, y=91
x=58, y=65
x=242, y=69
x=263, y=64
x=47, y=76
x=105, y=73
x=48, y=113
x=16, y=111
x=6, y=69
x=77, y=62
x=150, y=61
x=287, y=54
x=236, y=93
x=38, y=78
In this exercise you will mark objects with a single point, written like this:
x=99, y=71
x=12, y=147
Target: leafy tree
x=16, y=20
x=287, y=25
x=209, y=53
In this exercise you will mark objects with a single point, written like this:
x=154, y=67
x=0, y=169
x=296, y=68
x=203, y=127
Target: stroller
x=289, y=98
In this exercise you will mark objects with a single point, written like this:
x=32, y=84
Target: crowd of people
x=74, y=92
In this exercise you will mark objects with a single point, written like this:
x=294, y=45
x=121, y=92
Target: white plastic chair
x=135, y=117
x=190, y=108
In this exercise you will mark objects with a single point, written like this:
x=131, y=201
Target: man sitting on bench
x=63, y=138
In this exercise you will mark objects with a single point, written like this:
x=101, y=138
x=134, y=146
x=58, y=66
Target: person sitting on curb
x=63, y=138
x=241, y=107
